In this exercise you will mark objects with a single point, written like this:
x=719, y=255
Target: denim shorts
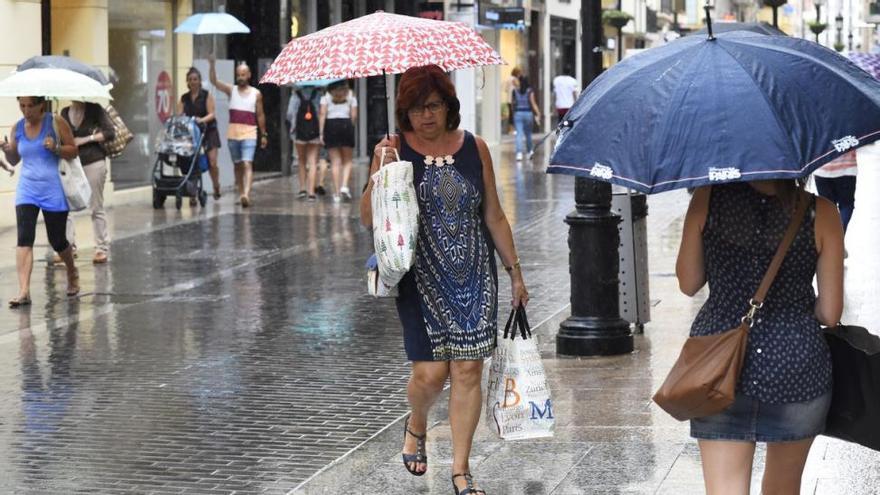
x=242, y=150
x=750, y=420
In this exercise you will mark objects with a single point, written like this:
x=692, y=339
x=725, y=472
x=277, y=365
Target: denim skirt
x=750, y=420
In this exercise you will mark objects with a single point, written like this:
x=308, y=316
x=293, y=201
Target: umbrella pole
x=708, y=9
x=387, y=103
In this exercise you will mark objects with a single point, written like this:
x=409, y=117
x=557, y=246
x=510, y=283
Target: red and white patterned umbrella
x=380, y=43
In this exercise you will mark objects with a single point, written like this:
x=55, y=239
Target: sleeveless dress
x=784, y=389
x=448, y=302
x=39, y=183
x=199, y=108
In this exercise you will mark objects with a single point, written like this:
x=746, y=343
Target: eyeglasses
x=433, y=107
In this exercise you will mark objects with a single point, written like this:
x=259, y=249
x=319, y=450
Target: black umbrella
x=62, y=62
x=755, y=27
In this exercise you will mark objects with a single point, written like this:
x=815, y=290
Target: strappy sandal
x=420, y=457
x=20, y=301
x=469, y=490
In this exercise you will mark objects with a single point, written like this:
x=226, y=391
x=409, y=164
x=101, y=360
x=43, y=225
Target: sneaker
x=336, y=198
x=312, y=198
x=320, y=190
x=519, y=156
x=531, y=154
x=345, y=193
x=302, y=194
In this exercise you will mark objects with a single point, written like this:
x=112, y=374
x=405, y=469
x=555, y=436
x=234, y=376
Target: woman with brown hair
x=448, y=302
x=199, y=103
x=731, y=233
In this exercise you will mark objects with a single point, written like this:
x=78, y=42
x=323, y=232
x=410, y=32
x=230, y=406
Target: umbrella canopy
x=55, y=83
x=698, y=111
x=754, y=27
x=62, y=62
x=212, y=23
x=869, y=62
x=379, y=43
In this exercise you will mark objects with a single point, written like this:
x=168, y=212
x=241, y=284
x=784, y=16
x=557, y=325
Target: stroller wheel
x=203, y=198
x=158, y=200
x=178, y=201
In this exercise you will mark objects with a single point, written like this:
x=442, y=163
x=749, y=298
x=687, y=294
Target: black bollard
x=594, y=327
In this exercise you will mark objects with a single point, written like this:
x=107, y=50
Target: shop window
x=141, y=61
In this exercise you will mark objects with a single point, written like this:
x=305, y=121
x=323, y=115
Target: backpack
x=306, y=118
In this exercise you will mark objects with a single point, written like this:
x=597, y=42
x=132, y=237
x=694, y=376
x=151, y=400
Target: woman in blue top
x=525, y=115
x=33, y=143
x=448, y=302
x=730, y=234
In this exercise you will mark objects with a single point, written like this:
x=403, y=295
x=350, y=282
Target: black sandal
x=469, y=490
x=420, y=457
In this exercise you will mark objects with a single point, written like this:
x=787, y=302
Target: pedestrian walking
x=448, y=301
x=507, y=86
x=200, y=104
x=565, y=90
x=246, y=118
x=836, y=181
x=526, y=114
x=35, y=144
x=337, y=119
x=91, y=126
x=302, y=113
x=731, y=233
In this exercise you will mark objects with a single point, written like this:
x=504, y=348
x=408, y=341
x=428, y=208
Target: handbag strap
x=790, y=233
x=382, y=160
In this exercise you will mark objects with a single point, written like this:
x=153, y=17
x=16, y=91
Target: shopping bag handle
x=382, y=160
x=517, y=320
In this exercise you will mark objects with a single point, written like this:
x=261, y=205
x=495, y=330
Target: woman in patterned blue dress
x=448, y=302
x=730, y=234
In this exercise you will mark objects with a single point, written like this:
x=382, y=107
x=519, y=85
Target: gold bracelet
x=515, y=266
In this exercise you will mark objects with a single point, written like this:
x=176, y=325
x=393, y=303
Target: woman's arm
x=499, y=228
x=690, y=268
x=366, y=205
x=322, y=119
x=354, y=111
x=10, y=149
x=67, y=148
x=107, y=132
x=829, y=268
x=534, y=103
x=212, y=109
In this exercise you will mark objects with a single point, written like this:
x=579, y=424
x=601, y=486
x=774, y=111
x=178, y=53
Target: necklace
x=438, y=160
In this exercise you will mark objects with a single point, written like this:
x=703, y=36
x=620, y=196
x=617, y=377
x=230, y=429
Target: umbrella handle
x=708, y=9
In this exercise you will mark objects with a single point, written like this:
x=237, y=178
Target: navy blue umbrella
x=698, y=111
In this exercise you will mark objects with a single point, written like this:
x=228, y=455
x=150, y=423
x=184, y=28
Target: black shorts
x=212, y=139
x=339, y=133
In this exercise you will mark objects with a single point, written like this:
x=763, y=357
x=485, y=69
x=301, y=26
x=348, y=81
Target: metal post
x=594, y=327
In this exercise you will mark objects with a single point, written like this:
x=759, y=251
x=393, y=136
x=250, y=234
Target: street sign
x=163, y=97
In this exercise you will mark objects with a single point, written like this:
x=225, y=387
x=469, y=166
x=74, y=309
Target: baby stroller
x=180, y=162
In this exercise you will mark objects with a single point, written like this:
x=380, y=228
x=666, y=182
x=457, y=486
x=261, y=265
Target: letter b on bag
x=510, y=390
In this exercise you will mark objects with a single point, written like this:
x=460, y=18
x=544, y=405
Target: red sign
x=163, y=97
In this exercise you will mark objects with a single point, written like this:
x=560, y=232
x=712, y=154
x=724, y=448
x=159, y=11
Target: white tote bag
x=73, y=179
x=395, y=219
x=518, y=400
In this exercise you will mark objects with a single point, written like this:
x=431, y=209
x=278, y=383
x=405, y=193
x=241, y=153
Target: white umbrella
x=59, y=84
x=212, y=23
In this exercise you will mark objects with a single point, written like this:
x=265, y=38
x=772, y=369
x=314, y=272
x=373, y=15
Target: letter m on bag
x=537, y=413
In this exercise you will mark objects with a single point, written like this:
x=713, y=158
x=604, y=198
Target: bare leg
x=239, y=174
x=785, y=467
x=311, y=157
x=335, y=164
x=322, y=170
x=248, y=179
x=727, y=466
x=465, y=403
x=72, y=272
x=425, y=385
x=346, y=165
x=214, y=171
x=301, y=157
x=24, y=264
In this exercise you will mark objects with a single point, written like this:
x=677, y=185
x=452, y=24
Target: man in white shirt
x=566, y=90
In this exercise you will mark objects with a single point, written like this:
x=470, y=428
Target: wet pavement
x=230, y=351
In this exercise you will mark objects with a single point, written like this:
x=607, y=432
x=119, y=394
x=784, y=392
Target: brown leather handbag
x=703, y=380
